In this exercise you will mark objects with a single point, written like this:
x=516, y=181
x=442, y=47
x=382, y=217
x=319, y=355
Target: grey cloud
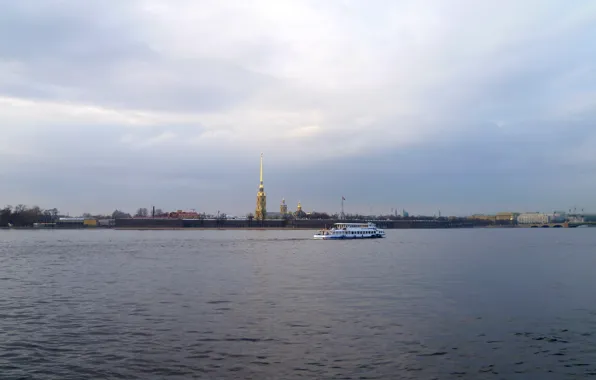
x=92, y=53
x=487, y=169
x=473, y=176
x=34, y=29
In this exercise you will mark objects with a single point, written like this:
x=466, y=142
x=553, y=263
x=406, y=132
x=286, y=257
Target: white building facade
x=534, y=218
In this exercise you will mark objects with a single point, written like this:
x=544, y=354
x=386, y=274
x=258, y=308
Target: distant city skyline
x=360, y=202
x=460, y=106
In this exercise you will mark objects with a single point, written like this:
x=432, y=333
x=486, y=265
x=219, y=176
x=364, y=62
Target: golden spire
x=261, y=183
x=261, y=210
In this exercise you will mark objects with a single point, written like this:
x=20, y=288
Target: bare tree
x=54, y=212
x=117, y=214
x=5, y=216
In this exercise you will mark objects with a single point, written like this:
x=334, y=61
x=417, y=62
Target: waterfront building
x=533, y=218
x=261, y=210
x=506, y=216
x=558, y=217
x=106, y=222
x=90, y=222
x=68, y=222
x=487, y=218
x=283, y=207
x=180, y=214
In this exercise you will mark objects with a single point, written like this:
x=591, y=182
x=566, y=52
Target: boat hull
x=346, y=237
x=352, y=231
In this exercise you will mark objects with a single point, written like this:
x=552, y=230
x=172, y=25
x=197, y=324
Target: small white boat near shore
x=351, y=231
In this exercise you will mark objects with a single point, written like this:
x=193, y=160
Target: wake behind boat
x=351, y=231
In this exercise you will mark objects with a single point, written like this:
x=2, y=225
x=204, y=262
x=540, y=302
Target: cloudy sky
x=459, y=105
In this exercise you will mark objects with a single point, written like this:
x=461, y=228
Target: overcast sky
x=464, y=106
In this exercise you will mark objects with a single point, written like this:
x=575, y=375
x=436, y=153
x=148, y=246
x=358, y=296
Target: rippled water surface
x=470, y=304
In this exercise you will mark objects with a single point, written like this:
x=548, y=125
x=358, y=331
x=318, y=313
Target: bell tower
x=261, y=210
x=283, y=207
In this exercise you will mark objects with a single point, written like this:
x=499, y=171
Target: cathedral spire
x=261, y=209
x=261, y=183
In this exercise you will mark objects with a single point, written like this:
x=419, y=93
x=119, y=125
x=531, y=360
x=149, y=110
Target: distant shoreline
x=168, y=228
x=160, y=229
x=211, y=229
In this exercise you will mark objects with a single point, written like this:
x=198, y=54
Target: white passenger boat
x=351, y=231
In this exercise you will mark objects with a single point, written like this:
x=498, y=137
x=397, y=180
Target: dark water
x=471, y=304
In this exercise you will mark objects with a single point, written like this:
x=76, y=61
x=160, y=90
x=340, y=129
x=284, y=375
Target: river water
x=420, y=304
